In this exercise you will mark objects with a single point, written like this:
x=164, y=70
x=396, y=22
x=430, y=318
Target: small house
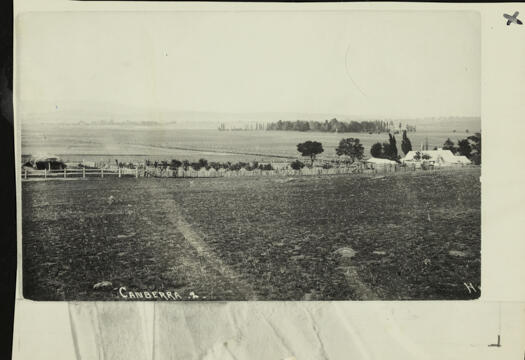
x=380, y=161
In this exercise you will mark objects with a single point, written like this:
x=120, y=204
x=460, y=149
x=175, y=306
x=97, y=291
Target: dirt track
x=211, y=267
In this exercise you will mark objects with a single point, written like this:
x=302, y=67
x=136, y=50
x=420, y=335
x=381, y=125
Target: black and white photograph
x=241, y=155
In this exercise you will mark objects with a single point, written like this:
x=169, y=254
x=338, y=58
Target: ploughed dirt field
x=347, y=237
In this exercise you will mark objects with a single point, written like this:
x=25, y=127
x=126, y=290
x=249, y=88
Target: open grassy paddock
x=133, y=143
x=400, y=236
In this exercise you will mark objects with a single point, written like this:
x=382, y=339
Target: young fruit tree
x=350, y=147
x=310, y=149
x=297, y=165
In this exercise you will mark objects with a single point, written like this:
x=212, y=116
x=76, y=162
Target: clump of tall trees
x=386, y=150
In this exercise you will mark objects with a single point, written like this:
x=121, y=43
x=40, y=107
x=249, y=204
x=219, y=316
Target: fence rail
x=79, y=173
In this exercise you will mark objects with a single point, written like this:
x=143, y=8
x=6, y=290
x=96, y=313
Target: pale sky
x=365, y=63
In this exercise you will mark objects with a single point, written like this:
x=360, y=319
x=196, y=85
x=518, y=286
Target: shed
x=379, y=161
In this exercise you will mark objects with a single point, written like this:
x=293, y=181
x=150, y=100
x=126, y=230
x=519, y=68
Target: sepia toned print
x=283, y=156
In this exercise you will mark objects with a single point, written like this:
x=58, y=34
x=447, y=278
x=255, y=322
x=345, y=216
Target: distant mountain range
x=79, y=113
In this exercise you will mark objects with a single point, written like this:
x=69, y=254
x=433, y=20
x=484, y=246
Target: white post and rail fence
x=80, y=173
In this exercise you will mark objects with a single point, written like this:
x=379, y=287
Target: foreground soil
x=362, y=237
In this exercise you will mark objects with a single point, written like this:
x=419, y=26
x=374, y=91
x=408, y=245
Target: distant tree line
x=247, y=127
x=334, y=125
x=124, y=122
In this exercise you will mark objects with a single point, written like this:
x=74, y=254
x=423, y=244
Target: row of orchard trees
x=204, y=164
x=352, y=149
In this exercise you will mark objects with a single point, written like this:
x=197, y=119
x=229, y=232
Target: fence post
x=101, y=173
x=137, y=173
x=83, y=173
x=45, y=173
x=25, y=173
x=119, y=173
x=65, y=173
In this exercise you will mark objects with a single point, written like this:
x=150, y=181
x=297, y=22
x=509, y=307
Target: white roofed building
x=437, y=157
x=463, y=160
